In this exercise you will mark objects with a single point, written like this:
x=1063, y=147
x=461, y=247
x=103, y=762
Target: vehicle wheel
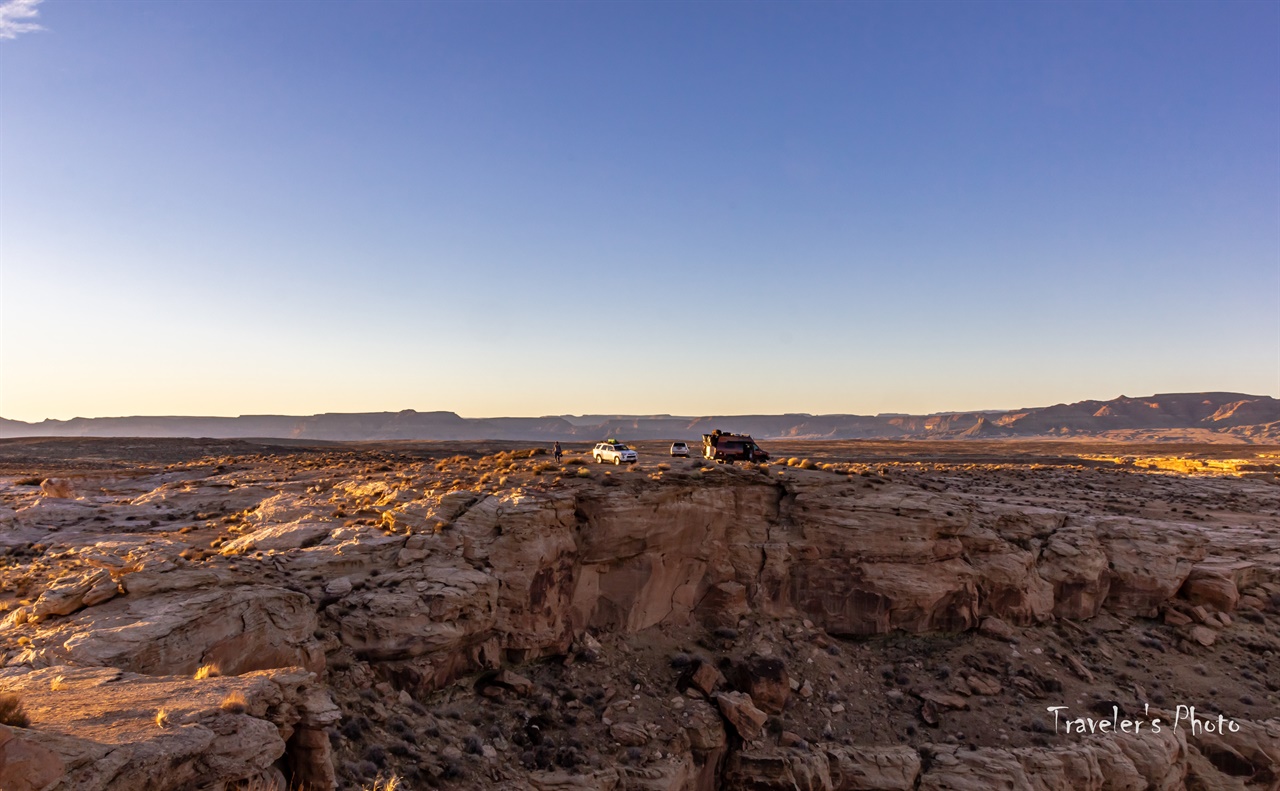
x=617, y=461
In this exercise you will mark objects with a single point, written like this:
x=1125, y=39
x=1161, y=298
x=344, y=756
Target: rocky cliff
x=288, y=615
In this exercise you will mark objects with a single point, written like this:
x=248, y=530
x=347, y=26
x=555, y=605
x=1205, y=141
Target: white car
x=613, y=451
x=680, y=449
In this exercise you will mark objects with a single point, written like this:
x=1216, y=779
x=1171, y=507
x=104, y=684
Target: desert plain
x=1017, y=614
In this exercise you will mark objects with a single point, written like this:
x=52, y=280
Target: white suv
x=680, y=449
x=613, y=451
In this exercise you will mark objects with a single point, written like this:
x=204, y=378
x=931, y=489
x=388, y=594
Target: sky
x=212, y=208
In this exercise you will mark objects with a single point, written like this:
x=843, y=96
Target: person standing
x=557, y=452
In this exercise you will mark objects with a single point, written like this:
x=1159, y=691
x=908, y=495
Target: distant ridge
x=1230, y=417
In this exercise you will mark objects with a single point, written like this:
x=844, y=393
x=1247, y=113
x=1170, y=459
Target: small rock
x=338, y=587
x=945, y=699
x=628, y=734
x=982, y=684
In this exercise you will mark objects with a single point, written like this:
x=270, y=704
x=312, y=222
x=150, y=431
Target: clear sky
x=540, y=208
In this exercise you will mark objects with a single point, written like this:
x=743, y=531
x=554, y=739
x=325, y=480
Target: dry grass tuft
x=234, y=703
x=584, y=472
x=11, y=711
x=208, y=671
x=162, y=718
x=58, y=682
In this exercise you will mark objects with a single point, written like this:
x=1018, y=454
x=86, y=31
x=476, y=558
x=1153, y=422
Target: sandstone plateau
x=201, y=614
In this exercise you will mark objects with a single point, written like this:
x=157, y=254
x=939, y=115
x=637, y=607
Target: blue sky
x=545, y=208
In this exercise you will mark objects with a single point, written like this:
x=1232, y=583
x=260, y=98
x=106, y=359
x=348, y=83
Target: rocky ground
x=222, y=614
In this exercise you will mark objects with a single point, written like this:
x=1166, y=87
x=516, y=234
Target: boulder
x=741, y=712
x=997, y=630
x=706, y=678
x=25, y=764
x=1215, y=583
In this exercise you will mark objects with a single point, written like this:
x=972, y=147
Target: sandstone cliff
x=388, y=589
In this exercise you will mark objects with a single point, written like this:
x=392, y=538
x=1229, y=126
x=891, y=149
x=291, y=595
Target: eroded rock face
x=649, y=557
x=1149, y=761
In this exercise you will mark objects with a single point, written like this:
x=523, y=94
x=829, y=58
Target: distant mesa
x=1223, y=417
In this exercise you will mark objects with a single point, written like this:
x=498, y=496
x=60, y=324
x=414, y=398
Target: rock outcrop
x=408, y=586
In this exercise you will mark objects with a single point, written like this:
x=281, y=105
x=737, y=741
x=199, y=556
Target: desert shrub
x=664, y=467
x=234, y=703
x=354, y=728
x=11, y=711
x=162, y=718
x=542, y=467
x=574, y=462
x=28, y=482
x=208, y=671
x=793, y=462
x=376, y=755
x=584, y=472
x=805, y=464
